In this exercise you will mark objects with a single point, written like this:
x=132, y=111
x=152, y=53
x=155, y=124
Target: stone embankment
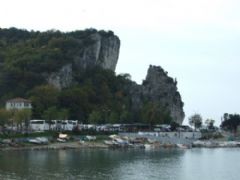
x=55, y=146
x=145, y=140
x=216, y=144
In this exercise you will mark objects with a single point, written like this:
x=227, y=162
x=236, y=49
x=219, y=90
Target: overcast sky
x=196, y=41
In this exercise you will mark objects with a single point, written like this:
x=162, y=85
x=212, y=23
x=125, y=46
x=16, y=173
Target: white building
x=18, y=103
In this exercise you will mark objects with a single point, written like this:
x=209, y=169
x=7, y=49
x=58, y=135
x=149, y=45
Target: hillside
x=71, y=75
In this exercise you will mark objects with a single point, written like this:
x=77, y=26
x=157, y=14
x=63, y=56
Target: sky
x=196, y=41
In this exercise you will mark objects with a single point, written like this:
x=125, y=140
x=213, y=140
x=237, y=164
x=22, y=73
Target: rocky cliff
x=29, y=60
x=98, y=49
x=101, y=50
x=61, y=79
x=159, y=88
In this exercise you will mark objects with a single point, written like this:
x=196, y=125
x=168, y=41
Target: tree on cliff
x=95, y=117
x=231, y=122
x=195, y=120
x=43, y=97
x=154, y=113
x=31, y=61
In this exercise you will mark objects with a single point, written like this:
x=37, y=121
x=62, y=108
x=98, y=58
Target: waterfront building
x=18, y=103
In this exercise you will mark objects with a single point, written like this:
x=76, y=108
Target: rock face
x=62, y=78
x=103, y=51
x=158, y=87
x=99, y=49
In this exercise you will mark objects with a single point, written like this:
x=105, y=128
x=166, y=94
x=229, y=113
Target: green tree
x=43, y=97
x=195, y=120
x=50, y=114
x=174, y=126
x=125, y=117
x=95, y=117
x=113, y=118
x=210, y=123
x=154, y=113
x=77, y=100
x=150, y=113
x=12, y=117
x=63, y=114
x=231, y=122
x=4, y=117
x=22, y=116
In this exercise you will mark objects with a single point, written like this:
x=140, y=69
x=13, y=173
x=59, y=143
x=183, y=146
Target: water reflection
x=118, y=164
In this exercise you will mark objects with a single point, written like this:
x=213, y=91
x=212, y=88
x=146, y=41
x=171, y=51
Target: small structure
x=18, y=103
x=38, y=125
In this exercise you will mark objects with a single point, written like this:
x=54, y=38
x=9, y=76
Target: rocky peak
x=158, y=82
x=158, y=87
x=101, y=50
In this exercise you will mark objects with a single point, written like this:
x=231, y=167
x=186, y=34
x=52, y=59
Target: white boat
x=183, y=146
x=121, y=141
x=81, y=141
x=43, y=140
x=147, y=146
x=151, y=140
x=63, y=136
x=113, y=136
x=108, y=142
x=61, y=140
x=91, y=138
x=34, y=141
x=38, y=140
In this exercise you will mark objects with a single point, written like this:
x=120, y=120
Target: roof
x=18, y=99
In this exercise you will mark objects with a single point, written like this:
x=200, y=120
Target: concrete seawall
x=167, y=137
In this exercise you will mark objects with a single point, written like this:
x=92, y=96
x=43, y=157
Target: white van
x=38, y=125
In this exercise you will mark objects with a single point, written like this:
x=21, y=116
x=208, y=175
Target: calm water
x=193, y=164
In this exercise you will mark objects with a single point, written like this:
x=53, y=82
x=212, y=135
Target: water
x=173, y=164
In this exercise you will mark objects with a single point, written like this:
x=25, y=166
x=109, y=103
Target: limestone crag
x=62, y=78
x=98, y=49
x=158, y=87
x=101, y=50
x=109, y=52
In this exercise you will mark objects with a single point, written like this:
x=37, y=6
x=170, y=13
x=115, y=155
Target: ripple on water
x=207, y=164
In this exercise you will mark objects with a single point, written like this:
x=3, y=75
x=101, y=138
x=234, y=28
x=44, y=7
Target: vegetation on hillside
x=96, y=96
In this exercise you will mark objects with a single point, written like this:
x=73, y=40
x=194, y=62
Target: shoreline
x=56, y=146
x=101, y=145
x=77, y=145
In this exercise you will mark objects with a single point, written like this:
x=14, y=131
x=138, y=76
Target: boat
x=110, y=143
x=113, y=136
x=34, y=141
x=63, y=136
x=81, y=141
x=43, y=140
x=91, y=138
x=147, y=146
x=183, y=146
x=61, y=140
x=38, y=140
